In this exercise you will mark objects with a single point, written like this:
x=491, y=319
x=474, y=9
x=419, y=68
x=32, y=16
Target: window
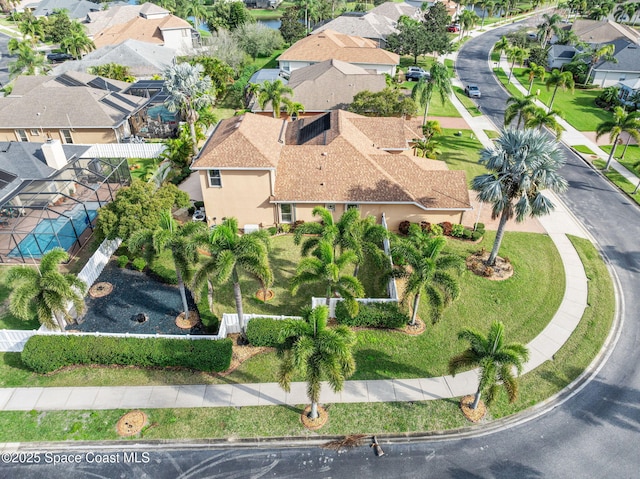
x=215, y=180
x=34, y=132
x=66, y=136
x=352, y=206
x=22, y=135
x=286, y=213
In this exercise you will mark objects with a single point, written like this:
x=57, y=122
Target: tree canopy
x=388, y=102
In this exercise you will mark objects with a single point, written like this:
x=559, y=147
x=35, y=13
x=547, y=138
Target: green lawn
x=583, y=149
x=141, y=168
x=631, y=156
x=468, y=103
x=461, y=152
x=345, y=419
x=619, y=180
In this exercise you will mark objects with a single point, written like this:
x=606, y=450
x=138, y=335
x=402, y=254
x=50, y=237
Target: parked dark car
x=416, y=73
x=59, y=57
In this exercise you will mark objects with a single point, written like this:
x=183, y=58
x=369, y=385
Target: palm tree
x=179, y=239
x=518, y=106
x=363, y=236
x=196, y=9
x=558, y=79
x=538, y=117
x=487, y=9
x=495, y=359
x=622, y=121
x=427, y=271
x=188, y=92
x=627, y=10
x=550, y=26
x=45, y=292
x=594, y=55
x=317, y=352
x=31, y=27
x=324, y=266
x=229, y=254
x=439, y=79
x=425, y=148
x=515, y=54
x=521, y=164
x=272, y=92
x=431, y=128
x=502, y=45
x=77, y=42
x=467, y=19
x=325, y=230
x=293, y=108
x=534, y=71
x=28, y=61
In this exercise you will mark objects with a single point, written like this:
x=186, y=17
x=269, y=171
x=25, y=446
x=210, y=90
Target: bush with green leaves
x=480, y=228
x=373, y=315
x=163, y=273
x=457, y=231
x=123, y=261
x=139, y=264
x=265, y=332
x=44, y=353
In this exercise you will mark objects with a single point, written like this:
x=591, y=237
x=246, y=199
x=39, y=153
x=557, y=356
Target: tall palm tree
x=179, y=239
x=325, y=267
x=31, y=27
x=293, y=108
x=627, y=9
x=538, y=117
x=558, y=79
x=231, y=253
x=427, y=271
x=595, y=54
x=534, y=71
x=45, y=292
x=196, y=9
x=521, y=164
x=317, y=352
x=77, y=42
x=550, y=25
x=518, y=106
x=363, y=236
x=487, y=9
x=325, y=230
x=440, y=80
x=28, y=61
x=502, y=45
x=426, y=148
x=467, y=19
x=495, y=359
x=622, y=121
x=272, y=92
x=188, y=92
x=517, y=55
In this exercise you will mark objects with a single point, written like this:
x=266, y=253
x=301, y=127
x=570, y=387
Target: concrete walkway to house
x=542, y=348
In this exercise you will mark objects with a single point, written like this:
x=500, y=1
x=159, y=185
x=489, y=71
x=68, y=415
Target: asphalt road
x=592, y=433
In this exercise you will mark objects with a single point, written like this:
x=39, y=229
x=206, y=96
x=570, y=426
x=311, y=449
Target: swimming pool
x=51, y=233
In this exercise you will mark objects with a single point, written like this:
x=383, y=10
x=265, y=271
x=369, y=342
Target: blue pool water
x=51, y=233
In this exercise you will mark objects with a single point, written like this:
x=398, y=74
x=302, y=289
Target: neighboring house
x=76, y=9
x=262, y=3
x=375, y=24
x=267, y=171
x=144, y=60
x=626, y=67
x=629, y=88
x=328, y=85
x=560, y=55
x=328, y=45
x=600, y=32
x=150, y=24
x=73, y=107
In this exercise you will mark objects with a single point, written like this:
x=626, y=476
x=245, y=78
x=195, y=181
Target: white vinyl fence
x=126, y=150
x=98, y=261
x=13, y=340
x=230, y=323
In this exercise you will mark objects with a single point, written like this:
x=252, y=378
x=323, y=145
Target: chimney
x=54, y=154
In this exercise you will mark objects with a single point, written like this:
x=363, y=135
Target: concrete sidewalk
x=542, y=348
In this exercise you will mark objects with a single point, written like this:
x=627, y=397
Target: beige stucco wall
x=244, y=195
x=81, y=137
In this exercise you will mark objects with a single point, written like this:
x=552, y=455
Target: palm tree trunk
x=625, y=147
x=637, y=188
x=60, y=320
x=499, y=234
x=194, y=139
x=210, y=295
x=355, y=270
x=530, y=86
x=313, y=414
x=553, y=97
x=183, y=294
x=613, y=149
x=476, y=400
x=414, y=313
x=237, y=296
x=426, y=112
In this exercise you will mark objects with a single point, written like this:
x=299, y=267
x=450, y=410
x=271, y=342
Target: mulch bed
x=260, y=295
x=314, y=424
x=187, y=323
x=473, y=415
x=101, y=289
x=131, y=423
x=477, y=263
x=416, y=329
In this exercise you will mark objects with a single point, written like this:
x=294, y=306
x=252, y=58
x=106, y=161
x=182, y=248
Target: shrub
x=436, y=230
x=425, y=225
x=198, y=204
x=191, y=210
x=123, y=261
x=467, y=233
x=265, y=332
x=139, y=264
x=457, y=231
x=373, y=315
x=163, y=273
x=295, y=224
x=272, y=230
x=446, y=228
x=403, y=227
x=44, y=354
x=285, y=227
x=476, y=235
x=480, y=227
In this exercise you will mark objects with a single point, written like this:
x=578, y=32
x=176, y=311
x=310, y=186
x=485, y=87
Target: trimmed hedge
x=265, y=332
x=373, y=315
x=44, y=354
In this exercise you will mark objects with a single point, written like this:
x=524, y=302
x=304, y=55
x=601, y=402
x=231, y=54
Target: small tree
x=518, y=107
x=622, y=121
x=272, y=92
x=258, y=40
x=495, y=359
x=558, y=79
x=538, y=117
x=317, y=353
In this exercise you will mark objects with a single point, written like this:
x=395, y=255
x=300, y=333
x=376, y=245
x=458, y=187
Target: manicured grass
x=503, y=78
x=468, y=103
x=579, y=107
x=583, y=149
x=224, y=113
x=631, y=156
x=461, y=152
x=618, y=180
x=345, y=419
x=141, y=168
x=491, y=133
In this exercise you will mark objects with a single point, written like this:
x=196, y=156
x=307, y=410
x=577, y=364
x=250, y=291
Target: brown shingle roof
x=247, y=141
x=330, y=44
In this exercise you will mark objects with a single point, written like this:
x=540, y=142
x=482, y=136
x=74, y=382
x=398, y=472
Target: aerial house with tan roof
x=268, y=171
x=328, y=44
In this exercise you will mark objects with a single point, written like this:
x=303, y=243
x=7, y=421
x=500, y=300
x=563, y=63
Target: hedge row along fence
x=47, y=353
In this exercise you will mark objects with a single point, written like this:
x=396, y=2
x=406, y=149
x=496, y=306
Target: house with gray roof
x=77, y=9
x=628, y=91
x=73, y=107
x=560, y=55
x=143, y=59
x=625, y=68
